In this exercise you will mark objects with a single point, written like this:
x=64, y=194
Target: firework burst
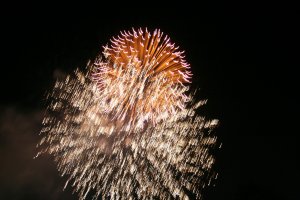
x=127, y=127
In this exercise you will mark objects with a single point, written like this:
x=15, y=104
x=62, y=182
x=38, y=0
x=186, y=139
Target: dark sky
x=244, y=61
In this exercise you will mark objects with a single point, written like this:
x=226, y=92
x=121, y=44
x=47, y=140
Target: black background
x=244, y=60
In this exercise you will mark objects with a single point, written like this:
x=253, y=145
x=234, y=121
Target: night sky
x=244, y=62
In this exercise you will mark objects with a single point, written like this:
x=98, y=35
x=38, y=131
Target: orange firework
x=147, y=63
x=141, y=49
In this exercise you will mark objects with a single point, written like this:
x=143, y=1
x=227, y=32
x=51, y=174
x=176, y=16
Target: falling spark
x=127, y=127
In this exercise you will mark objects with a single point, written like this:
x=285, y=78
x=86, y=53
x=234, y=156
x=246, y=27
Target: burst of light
x=127, y=127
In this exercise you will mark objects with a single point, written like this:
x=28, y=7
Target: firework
x=126, y=128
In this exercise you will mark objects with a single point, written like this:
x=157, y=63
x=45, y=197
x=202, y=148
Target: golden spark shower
x=127, y=128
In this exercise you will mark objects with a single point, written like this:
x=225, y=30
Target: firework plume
x=126, y=128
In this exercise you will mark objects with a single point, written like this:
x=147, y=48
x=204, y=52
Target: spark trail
x=127, y=127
